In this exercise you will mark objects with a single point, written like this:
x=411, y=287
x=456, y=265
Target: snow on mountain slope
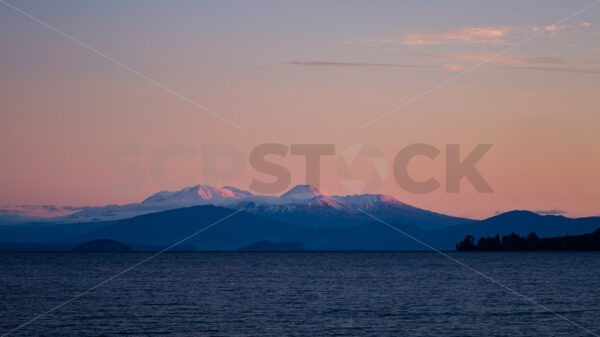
x=388, y=208
x=303, y=192
x=161, y=201
x=303, y=205
x=238, y=192
x=369, y=201
x=307, y=206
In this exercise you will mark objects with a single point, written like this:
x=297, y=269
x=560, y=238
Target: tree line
x=531, y=242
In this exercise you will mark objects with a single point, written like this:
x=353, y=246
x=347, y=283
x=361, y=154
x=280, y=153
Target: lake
x=301, y=294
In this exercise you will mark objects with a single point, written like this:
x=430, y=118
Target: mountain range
x=304, y=214
x=303, y=205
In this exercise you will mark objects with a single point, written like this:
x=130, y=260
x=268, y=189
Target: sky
x=107, y=102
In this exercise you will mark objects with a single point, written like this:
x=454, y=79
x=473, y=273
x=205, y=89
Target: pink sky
x=294, y=74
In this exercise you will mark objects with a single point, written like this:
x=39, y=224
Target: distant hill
x=102, y=245
x=525, y=222
x=518, y=222
x=273, y=246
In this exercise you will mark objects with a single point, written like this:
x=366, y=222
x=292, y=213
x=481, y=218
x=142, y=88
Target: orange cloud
x=453, y=67
x=585, y=24
x=477, y=32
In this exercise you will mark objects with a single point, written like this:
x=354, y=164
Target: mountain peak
x=197, y=193
x=208, y=192
x=303, y=192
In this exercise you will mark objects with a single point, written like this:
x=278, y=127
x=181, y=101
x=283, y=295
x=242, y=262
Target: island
x=102, y=245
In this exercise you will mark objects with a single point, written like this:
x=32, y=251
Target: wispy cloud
x=467, y=35
x=376, y=65
x=553, y=211
x=452, y=67
x=487, y=35
x=461, y=36
x=359, y=64
x=498, y=59
x=555, y=29
x=555, y=69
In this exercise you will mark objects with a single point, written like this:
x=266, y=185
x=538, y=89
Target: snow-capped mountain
x=308, y=206
x=388, y=208
x=302, y=205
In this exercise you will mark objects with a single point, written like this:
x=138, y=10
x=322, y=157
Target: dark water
x=300, y=294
